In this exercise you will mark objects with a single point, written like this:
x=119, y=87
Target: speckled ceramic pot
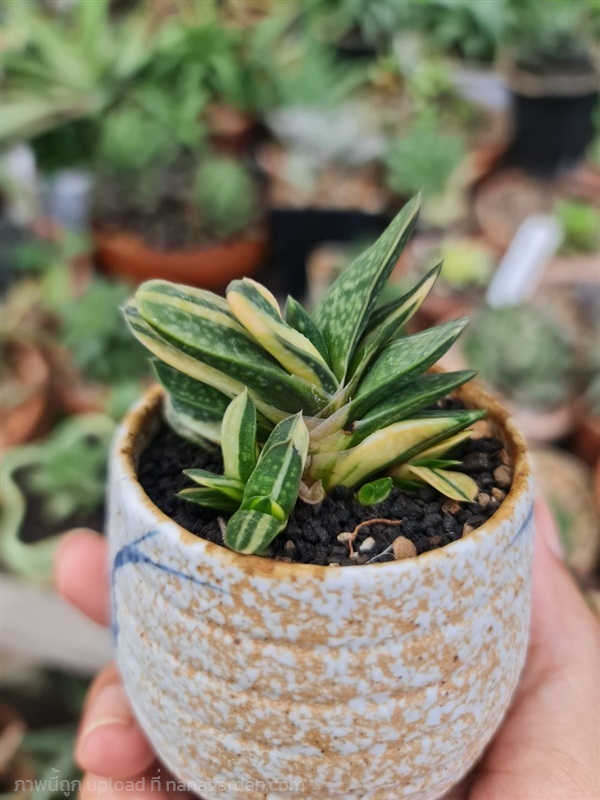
x=261, y=679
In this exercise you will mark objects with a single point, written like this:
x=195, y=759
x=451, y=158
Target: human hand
x=548, y=747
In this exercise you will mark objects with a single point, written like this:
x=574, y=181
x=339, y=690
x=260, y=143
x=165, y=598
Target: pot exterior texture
x=261, y=679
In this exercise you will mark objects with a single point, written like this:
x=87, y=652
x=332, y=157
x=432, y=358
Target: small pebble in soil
x=329, y=533
x=403, y=548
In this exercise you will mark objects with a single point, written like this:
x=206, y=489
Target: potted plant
x=587, y=433
x=96, y=365
x=257, y=674
x=522, y=355
x=426, y=159
x=52, y=486
x=554, y=83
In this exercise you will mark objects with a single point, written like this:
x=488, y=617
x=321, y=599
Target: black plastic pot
x=296, y=232
x=551, y=133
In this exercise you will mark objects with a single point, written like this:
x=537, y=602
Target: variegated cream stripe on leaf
x=441, y=449
x=381, y=450
x=450, y=483
x=408, y=400
x=183, y=420
x=252, y=532
x=344, y=311
x=222, y=483
x=210, y=498
x=238, y=438
x=296, y=315
x=176, y=358
x=190, y=391
x=402, y=360
x=260, y=316
x=198, y=332
x=378, y=336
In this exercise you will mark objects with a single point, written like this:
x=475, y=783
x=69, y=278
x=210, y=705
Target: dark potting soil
x=37, y=526
x=425, y=517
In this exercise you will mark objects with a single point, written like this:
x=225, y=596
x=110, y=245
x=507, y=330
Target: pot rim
x=134, y=424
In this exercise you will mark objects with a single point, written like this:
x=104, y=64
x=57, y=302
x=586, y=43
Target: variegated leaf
x=298, y=317
x=374, y=492
x=238, y=438
x=441, y=449
x=191, y=423
x=345, y=310
x=272, y=490
x=250, y=531
x=176, y=358
x=408, y=400
x=199, y=324
x=397, y=315
x=395, y=444
x=256, y=309
x=207, y=400
x=402, y=360
x=228, y=486
x=450, y=483
x=210, y=498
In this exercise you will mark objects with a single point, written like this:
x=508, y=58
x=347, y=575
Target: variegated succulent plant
x=303, y=403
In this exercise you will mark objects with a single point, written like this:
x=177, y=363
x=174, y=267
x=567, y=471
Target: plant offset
x=300, y=404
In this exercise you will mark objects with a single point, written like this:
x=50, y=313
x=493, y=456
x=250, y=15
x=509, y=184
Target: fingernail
x=110, y=707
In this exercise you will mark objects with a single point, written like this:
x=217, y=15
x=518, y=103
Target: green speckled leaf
x=200, y=325
x=402, y=360
x=298, y=317
x=398, y=314
x=406, y=401
x=210, y=498
x=192, y=423
x=344, y=312
x=374, y=492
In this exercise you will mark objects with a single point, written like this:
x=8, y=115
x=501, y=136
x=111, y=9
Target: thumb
x=548, y=746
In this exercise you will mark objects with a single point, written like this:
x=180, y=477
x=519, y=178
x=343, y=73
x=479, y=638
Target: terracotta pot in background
x=230, y=130
x=128, y=257
x=374, y=682
x=30, y=416
x=586, y=438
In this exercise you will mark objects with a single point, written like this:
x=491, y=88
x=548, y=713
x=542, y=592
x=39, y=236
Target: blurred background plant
x=204, y=141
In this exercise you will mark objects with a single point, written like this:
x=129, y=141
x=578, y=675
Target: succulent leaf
x=296, y=315
x=271, y=490
x=228, y=486
x=210, y=498
x=374, y=492
x=401, y=360
x=199, y=324
x=397, y=315
x=450, y=483
x=238, y=438
x=344, y=311
x=191, y=423
x=383, y=449
x=207, y=400
x=257, y=310
x=410, y=399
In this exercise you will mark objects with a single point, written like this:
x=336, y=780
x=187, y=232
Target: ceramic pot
x=261, y=679
x=127, y=256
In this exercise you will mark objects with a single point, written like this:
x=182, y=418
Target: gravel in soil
x=424, y=517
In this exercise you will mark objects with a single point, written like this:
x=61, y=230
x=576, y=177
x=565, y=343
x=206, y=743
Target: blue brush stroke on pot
x=526, y=523
x=131, y=554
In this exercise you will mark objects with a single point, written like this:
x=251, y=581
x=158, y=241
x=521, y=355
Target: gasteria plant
x=339, y=398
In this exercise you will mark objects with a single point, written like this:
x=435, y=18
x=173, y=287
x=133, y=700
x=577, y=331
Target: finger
x=110, y=743
x=562, y=624
x=154, y=784
x=81, y=573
